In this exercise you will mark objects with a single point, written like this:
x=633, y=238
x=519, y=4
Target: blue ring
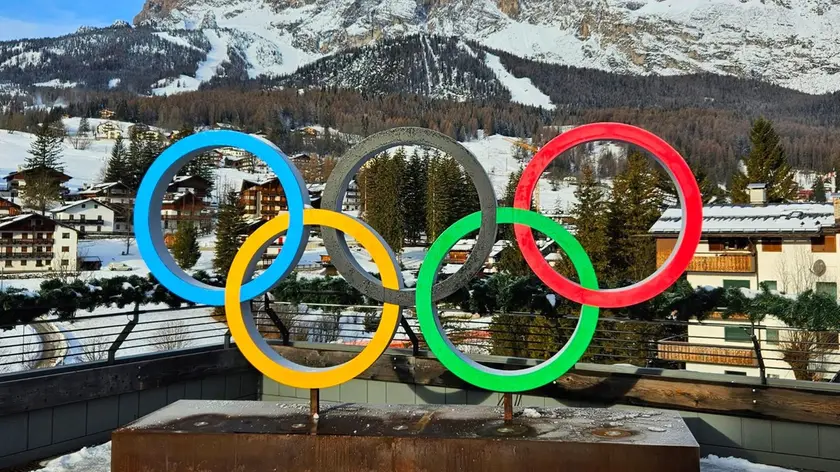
x=149, y=203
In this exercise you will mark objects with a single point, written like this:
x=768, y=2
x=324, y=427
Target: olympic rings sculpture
x=241, y=286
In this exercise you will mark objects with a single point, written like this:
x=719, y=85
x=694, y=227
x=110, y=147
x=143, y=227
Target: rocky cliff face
x=788, y=42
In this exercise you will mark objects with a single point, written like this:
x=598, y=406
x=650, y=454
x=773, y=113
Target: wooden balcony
x=740, y=262
x=681, y=351
x=21, y=256
x=26, y=242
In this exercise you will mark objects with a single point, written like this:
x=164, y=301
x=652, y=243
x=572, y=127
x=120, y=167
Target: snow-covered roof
x=72, y=204
x=100, y=187
x=746, y=219
x=13, y=219
x=9, y=220
x=464, y=245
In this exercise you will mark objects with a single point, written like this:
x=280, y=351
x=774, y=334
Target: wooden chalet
x=263, y=199
x=197, y=185
x=17, y=179
x=185, y=207
x=9, y=208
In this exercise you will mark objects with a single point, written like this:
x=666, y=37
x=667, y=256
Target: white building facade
x=35, y=243
x=789, y=248
x=90, y=216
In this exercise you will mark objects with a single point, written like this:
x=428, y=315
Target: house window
x=24, y=249
x=734, y=372
x=827, y=288
x=771, y=244
x=65, y=248
x=7, y=235
x=24, y=236
x=737, y=334
x=771, y=285
x=728, y=244
x=23, y=263
x=99, y=228
x=95, y=206
x=65, y=263
x=8, y=263
x=81, y=217
x=65, y=235
x=773, y=336
x=72, y=217
x=99, y=217
x=826, y=243
x=736, y=283
x=83, y=205
x=39, y=263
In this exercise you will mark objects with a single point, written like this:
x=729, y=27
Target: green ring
x=466, y=368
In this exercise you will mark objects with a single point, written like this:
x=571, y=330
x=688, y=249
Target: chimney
x=758, y=194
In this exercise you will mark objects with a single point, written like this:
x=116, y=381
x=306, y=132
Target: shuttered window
x=826, y=243
x=771, y=244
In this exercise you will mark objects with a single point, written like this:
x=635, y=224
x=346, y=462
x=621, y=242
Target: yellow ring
x=253, y=346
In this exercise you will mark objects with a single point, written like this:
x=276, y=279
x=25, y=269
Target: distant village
x=35, y=242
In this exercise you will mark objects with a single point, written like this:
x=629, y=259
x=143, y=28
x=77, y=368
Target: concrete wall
x=40, y=432
x=781, y=443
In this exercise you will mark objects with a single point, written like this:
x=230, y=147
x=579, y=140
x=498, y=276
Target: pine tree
x=229, y=227
x=467, y=197
x=84, y=126
x=383, y=210
x=118, y=168
x=767, y=163
x=413, y=196
x=511, y=260
x=633, y=208
x=135, y=159
x=590, y=220
x=186, y=250
x=819, y=190
x=45, y=151
x=442, y=195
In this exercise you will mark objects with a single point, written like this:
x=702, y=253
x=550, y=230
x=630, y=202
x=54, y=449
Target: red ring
x=692, y=216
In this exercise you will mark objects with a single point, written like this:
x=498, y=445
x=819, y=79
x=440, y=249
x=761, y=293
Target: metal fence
x=716, y=346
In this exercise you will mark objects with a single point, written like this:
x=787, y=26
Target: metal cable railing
x=725, y=347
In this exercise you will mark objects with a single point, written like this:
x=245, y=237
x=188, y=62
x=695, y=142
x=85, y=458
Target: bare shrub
x=95, y=351
x=806, y=351
x=172, y=335
x=80, y=142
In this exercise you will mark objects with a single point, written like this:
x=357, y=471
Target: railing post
x=415, y=342
x=227, y=339
x=112, y=351
x=759, y=358
x=278, y=323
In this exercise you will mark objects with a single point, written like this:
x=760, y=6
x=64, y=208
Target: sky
x=40, y=18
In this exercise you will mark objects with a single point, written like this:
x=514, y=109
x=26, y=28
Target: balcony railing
x=672, y=349
x=26, y=242
x=716, y=262
x=21, y=256
x=83, y=222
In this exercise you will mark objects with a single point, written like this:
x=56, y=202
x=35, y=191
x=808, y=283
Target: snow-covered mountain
x=793, y=43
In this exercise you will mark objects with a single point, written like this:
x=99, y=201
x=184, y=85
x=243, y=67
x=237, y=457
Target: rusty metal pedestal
x=215, y=436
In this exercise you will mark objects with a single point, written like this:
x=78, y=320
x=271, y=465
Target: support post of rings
x=508, y=407
x=314, y=403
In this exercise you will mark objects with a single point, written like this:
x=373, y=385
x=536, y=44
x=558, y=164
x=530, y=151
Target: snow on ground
x=89, y=459
x=56, y=83
x=522, y=90
x=714, y=463
x=19, y=349
x=98, y=459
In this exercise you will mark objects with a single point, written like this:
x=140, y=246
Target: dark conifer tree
x=767, y=164
x=229, y=227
